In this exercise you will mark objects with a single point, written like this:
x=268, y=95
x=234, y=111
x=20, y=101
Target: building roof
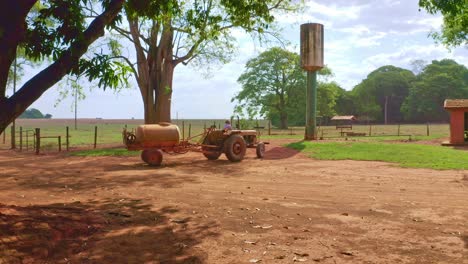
x=456, y=103
x=344, y=118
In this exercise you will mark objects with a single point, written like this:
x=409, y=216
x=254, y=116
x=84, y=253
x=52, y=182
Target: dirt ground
x=285, y=208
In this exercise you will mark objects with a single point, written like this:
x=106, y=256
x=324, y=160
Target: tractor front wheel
x=235, y=148
x=260, y=150
x=152, y=157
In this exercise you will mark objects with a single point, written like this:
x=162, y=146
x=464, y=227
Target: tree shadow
x=59, y=173
x=110, y=231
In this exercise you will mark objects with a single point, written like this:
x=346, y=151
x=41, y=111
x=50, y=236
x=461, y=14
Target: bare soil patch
x=285, y=208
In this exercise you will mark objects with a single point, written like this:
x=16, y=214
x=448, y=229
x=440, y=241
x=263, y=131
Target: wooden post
x=398, y=129
x=38, y=140
x=427, y=128
x=370, y=130
x=27, y=140
x=291, y=132
x=183, y=130
x=21, y=138
x=269, y=127
x=95, y=136
x=13, y=138
x=60, y=143
x=67, y=140
x=189, y=130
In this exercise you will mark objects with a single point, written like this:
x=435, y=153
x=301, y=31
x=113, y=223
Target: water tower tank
x=312, y=46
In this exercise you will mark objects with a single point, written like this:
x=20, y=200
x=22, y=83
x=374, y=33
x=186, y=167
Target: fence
x=52, y=137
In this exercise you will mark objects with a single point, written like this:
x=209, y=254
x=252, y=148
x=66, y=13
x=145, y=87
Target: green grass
x=105, y=152
x=406, y=155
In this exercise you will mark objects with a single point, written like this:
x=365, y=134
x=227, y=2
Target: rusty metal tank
x=157, y=135
x=312, y=46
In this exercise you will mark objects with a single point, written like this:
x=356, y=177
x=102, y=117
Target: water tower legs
x=311, y=108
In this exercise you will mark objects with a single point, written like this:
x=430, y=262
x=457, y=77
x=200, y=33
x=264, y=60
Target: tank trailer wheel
x=235, y=147
x=152, y=157
x=260, y=150
x=212, y=155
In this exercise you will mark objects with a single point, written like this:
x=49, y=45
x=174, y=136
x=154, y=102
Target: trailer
x=154, y=140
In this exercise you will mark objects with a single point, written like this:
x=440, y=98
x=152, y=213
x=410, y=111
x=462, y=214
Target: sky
x=360, y=36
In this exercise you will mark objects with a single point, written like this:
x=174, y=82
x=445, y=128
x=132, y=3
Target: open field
x=285, y=208
x=109, y=131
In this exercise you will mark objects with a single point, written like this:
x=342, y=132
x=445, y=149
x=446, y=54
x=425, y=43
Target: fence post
x=38, y=140
x=27, y=140
x=13, y=138
x=21, y=138
x=95, y=136
x=183, y=130
x=60, y=143
x=427, y=128
x=370, y=130
x=398, y=129
x=189, y=130
x=269, y=127
x=67, y=140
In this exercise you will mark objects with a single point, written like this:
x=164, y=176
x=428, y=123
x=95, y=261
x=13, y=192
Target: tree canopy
x=58, y=30
x=33, y=113
x=440, y=80
x=455, y=27
x=380, y=96
x=274, y=85
x=168, y=33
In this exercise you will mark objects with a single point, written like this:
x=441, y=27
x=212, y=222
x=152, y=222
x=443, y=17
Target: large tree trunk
x=155, y=71
x=12, y=30
x=12, y=107
x=283, y=120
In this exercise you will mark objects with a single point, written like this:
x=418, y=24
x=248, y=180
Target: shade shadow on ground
x=115, y=231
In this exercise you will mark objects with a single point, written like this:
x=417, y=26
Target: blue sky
x=360, y=36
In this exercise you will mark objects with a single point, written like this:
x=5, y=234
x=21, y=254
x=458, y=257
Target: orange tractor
x=154, y=140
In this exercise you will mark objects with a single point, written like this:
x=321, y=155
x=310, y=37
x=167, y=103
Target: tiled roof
x=456, y=103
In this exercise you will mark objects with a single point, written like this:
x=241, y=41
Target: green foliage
x=406, y=155
x=54, y=25
x=387, y=84
x=440, y=80
x=455, y=27
x=274, y=85
x=33, y=113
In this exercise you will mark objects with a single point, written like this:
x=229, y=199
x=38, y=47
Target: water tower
x=311, y=61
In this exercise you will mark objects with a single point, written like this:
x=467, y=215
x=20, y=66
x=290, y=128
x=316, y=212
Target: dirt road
x=285, y=208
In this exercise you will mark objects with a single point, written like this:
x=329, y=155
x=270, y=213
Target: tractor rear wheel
x=235, y=147
x=152, y=157
x=260, y=150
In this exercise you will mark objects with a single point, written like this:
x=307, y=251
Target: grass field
x=109, y=131
x=406, y=155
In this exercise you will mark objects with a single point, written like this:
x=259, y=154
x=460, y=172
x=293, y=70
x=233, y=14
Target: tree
x=455, y=27
x=274, y=85
x=382, y=93
x=183, y=32
x=32, y=113
x=440, y=80
x=65, y=41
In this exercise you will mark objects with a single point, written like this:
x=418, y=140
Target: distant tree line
x=33, y=113
x=273, y=86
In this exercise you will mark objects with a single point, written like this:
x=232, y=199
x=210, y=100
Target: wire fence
x=55, y=136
